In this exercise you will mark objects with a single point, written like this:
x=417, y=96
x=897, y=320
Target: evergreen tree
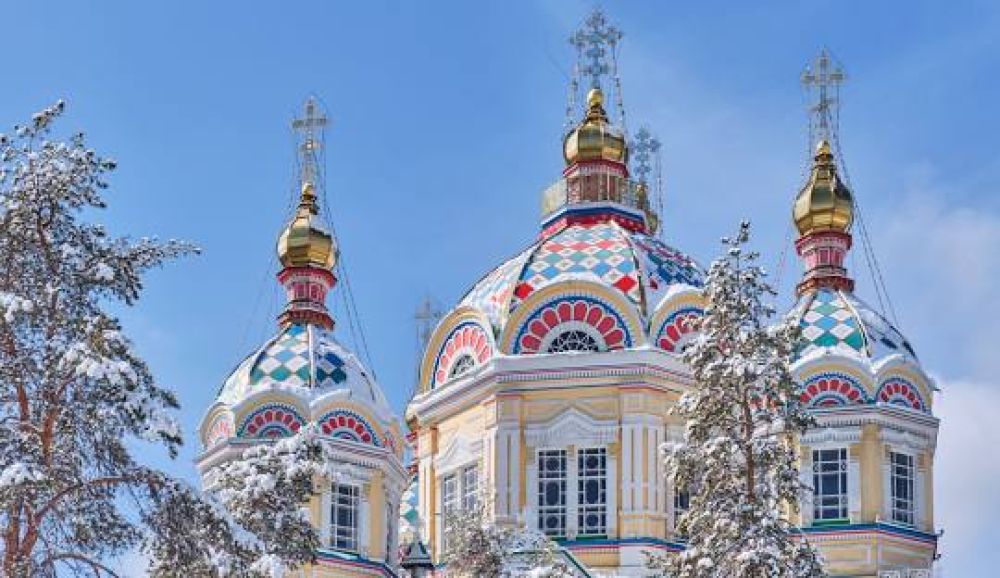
x=73, y=392
x=476, y=547
x=741, y=417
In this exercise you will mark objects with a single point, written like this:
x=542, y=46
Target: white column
x=649, y=484
x=324, y=517
x=628, y=474
x=806, y=477
x=531, y=500
x=919, y=480
x=502, y=473
x=853, y=486
x=514, y=482
x=364, y=515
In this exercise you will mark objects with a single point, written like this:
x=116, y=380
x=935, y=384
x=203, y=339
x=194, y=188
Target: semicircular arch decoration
x=678, y=329
x=898, y=391
x=579, y=316
x=466, y=347
x=348, y=425
x=219, y=430
x=272, y=420
x=832, y=390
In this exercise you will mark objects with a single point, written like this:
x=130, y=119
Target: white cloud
x=942, y=264
x=941, y=261
x=967, y=469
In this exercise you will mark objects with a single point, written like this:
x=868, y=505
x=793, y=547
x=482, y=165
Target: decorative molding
x=571, y=427
x=832, y=435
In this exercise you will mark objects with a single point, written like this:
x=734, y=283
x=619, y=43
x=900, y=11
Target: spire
x=595, y=186
x=822, y=78
x=307, y=247
x=824, y=209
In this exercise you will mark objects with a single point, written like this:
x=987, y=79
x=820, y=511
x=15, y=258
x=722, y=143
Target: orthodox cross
x=824, y=76
x=427, y=316
x=310, y=127
x=593, y=41
x=644, y=149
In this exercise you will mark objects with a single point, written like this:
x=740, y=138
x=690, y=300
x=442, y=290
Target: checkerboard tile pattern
x=599, y=250
x=663, y=266
x=883, y=339
x=285, y=361
x=828, y=321
x=493, y=292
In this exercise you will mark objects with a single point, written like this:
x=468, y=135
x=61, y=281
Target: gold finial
x=824, y=203
x=306, y=241
x=595, y=138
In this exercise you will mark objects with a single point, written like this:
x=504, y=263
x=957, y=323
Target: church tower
x=543, y=393
x=870, y=457
x=303, y=375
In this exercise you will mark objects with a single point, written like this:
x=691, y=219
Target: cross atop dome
x=593, y=41
x=310, y=127
x=822, y=79
x=306, y=247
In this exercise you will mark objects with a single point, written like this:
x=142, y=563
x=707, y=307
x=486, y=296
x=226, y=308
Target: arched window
x=462, y=365
x=573, y=340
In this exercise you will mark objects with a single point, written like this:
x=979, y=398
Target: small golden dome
x=595, y=138
x=824, y=203
x=306, y=241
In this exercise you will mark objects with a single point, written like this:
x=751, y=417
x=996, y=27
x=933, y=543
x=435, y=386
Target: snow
x=19, y=473
x=103, y=272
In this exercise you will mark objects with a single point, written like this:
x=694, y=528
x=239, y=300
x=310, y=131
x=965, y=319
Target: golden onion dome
x=306, y=241
x=825, y=202
x=595, y=138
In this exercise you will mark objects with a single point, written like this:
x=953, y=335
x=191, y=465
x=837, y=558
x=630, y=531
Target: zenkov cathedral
x=547, y=388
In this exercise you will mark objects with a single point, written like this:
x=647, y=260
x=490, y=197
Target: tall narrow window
x=552, y=492
x=682, y=502
x=592, y=492
x=344, y=517
x=449, y=494
x=830, y=482
x=902, y=487
x=470, y=488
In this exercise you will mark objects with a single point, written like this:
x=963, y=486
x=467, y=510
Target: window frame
x=600, y=507
x=560, y=477
x=905, y=473
x=351, y=539
x=838, y=502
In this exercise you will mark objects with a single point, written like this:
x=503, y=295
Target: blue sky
x=446, y=121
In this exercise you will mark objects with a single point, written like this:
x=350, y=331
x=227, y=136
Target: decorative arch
x=466, y=347
x=671, y=326
x=344, y=424
x=678, y=329
x=463, y=332
x=219, y=429
x=832, y=389
x=271, y=420
x=573, y=306
x=901, y=392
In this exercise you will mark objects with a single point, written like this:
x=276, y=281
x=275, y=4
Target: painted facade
x=544, y=394
x=303, y=375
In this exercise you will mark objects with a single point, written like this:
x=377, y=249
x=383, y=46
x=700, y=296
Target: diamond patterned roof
x=641, y=268
x=307, y=358
x=837, y=321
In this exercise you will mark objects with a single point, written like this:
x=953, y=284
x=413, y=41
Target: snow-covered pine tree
x=73, y=392
x=738, y=456
x=476, y=547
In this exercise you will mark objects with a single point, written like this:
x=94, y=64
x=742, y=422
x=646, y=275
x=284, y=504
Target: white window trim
x=572, y=489
x=326, y=502
x=829, y=438
x=905, y=443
